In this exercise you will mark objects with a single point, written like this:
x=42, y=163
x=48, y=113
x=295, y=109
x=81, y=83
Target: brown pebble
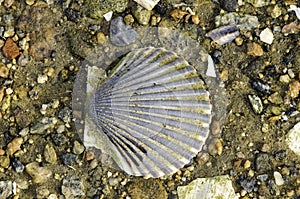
x=254, y=49
x=202, y=158
x=14, y=145
x=4, y=162
x=4, y=71
x=10, y=49
x=195, y=19
x=90, y=155
x=215, y=147
x=178, y=15
x=294, y=89
x=237, y=163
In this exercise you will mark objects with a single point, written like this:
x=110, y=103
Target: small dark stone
x=246, y=182
x=69, y=158
x=229, y=5
x=17, y=165
x=72, y=15
x=261, y=87
x=280, y=155
x=160, y=9
x=53, y=54
x=8, y=137
x=58, y=139
x=97, y=196
x=216, y=56
x=262, y=163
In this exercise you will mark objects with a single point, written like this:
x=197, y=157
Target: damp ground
x=43, y=45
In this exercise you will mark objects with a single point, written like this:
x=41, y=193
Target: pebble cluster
x=42, y=44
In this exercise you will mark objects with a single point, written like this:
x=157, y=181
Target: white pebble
x=42, y=79
x=278, y=178
x=108, y=16
x=267, y=36
x=293, y=139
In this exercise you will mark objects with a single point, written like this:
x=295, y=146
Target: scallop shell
x=154, y=111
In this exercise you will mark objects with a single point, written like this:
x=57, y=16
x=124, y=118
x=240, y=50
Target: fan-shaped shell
x=154, y=110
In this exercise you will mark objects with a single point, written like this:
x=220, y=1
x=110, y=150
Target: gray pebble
x=262, y=163
x=69, y=158
x=72, y=187
x=17, y=165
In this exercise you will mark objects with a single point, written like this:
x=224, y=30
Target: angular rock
x=39, y=174
x=72, y=187
x=207, y=188
x=10, y=49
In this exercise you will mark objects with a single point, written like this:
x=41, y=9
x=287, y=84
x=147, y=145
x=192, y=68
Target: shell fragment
x=148, y=4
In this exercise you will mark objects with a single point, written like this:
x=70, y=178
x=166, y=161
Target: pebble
x=256, y=104
x=261, y=86
x=128, y=19
x=262, y=177
x=293, y=139
x=254, y=49
x=77, y=148
x=143, y=16
x=291, y=28
x=113, y=181
x=230, y=6
x=10, y=49
x=72, y=187
x=294, y=88
x=4, y=161
x=42, y=79
x=101, y=38
x=39, y=174
x=69, y=158
x=278, y=178
x=285, y=79
x=262, y=163
x=4, y=71
x=43, y=125
x=267, y=36
x=50, y=154
x=207, y=188
x=6, y=189
x=17, y=165
x=30, y=2
x=148, y=4
x=215, y=147
x=147, y=188
x=14, y=145
x=275, y=98
x=247, y=164
x=246, y=182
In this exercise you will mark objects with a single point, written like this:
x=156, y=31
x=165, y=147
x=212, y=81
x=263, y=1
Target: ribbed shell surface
x=155, y=111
